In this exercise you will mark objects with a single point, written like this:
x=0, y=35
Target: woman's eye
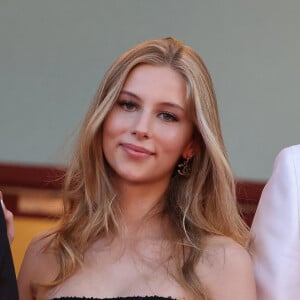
x=166, y=116
x=128, y=105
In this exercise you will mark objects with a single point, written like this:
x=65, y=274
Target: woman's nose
x=142, y=125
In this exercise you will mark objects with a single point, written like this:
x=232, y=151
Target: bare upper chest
x=122, y=271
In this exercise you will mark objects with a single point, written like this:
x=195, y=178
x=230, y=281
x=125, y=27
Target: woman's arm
x=226, y=270
x=39, y=266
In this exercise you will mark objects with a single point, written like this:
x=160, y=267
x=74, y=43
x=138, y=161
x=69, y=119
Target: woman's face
x=148, y=128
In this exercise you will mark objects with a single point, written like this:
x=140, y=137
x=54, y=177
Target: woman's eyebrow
x=172, y=104
x=130, y=94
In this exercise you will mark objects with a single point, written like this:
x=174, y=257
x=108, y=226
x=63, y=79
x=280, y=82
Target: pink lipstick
x=136, y=151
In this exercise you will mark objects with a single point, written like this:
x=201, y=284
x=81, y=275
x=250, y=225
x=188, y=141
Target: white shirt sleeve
x=276, y=231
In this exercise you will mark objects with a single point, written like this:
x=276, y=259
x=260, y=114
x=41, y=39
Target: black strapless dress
x=118, y=298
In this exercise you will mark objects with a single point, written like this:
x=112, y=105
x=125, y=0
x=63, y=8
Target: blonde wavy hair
x=200, y=205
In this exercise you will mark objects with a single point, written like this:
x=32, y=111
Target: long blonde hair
x=202, y=204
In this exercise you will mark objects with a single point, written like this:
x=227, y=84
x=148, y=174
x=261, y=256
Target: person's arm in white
x=276, y=231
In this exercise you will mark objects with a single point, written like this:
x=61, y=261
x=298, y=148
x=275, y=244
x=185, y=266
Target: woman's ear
x=190, y=150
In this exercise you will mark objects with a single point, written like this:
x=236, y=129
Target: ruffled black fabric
x=118, y=298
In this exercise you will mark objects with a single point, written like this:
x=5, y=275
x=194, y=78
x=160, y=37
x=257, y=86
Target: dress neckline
x=116, y=298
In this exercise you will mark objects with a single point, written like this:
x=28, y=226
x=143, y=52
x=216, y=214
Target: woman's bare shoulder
x=222, y=245
x=39, y=257
x=225, y=268
x=40, y=246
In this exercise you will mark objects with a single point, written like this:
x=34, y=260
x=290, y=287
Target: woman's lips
x=136, y=151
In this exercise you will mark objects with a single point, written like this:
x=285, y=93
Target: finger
x=9, y=219
x=2, y=203
x=1, y=199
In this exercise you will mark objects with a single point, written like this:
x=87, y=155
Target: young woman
x=149, y=202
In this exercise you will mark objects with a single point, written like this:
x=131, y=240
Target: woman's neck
x=141, y=206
